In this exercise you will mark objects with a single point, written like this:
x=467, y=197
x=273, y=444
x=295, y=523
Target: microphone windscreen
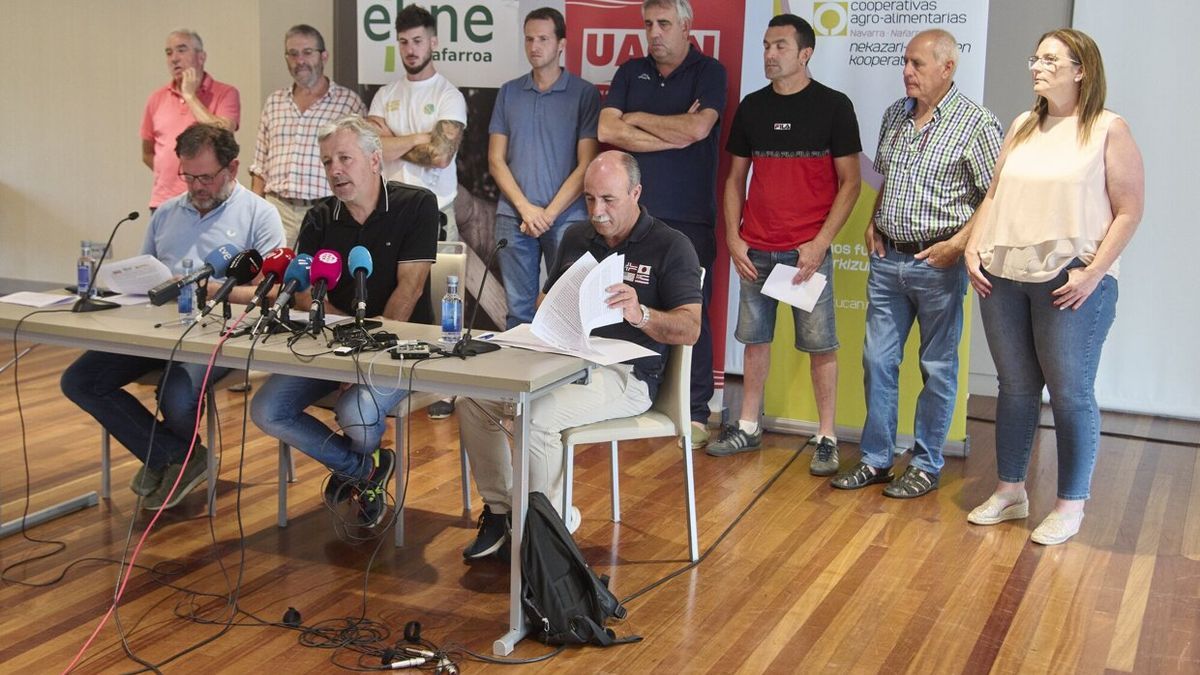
x=501, y=244
x=276, y=262
x=133, y=215
x=360, y=258
x=297, y=271
x=244, y=266
x=327, y=265
x=219, y=258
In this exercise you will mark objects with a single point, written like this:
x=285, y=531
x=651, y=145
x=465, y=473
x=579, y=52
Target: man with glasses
x=191, y=96
x=287, y=162
x=936, y=152
x=214, y=211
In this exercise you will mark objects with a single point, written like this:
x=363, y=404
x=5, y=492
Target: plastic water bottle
x=452, y=312
x=83, y=270
x=187, y=295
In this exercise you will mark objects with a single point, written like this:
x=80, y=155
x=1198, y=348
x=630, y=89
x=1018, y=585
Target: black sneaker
x=440, y=410
x=491, y=537
x=372, y=494
x=825, y=458
x=338, y=488
x=733, y=440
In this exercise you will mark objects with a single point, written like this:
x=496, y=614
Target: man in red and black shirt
x=802, y=139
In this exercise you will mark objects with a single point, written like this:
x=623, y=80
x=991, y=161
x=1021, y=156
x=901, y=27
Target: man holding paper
x=659, y=305
x=801, y=137
x=936, y=153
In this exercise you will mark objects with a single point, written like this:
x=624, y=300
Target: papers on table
x=133, y=276
x=578, y=303
x=32, y=299
x=805, y=295
x=599, y=350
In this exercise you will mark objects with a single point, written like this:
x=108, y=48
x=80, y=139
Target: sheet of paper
x=601, y=351
x=126, y=299
x=134, y=276
x=557, y=320
x=32, y=299
x=779, y=286
x=594, y=311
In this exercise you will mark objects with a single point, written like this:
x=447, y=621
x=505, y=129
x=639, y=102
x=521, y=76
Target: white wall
x=76, y=79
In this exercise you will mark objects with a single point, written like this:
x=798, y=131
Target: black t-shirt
x=403, y=228
x=660, y=264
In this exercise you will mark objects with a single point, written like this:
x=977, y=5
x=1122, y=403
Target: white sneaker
x=996, y=510
x=574, y=518
x=1057, y=528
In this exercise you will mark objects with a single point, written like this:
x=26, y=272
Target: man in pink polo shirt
x=191, y=96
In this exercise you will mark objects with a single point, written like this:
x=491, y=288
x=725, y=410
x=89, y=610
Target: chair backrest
x=675, y=391
x=451, y=259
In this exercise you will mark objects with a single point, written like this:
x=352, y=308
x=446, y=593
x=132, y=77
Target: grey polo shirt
x=543, y=130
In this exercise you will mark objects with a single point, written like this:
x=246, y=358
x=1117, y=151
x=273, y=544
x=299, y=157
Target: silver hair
x=945, y=47
x=682, y=7
x=368, y=138
x=191, y=35
x=630, y=164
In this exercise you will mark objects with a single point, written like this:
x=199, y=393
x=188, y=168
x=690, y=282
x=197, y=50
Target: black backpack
x=565, y=602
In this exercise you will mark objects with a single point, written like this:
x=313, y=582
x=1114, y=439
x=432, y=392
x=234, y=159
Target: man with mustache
x=191, y=96
x=287, y=162
x=665, y=108
x=421, y=117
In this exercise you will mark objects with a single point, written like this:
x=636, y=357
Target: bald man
x=660, y=302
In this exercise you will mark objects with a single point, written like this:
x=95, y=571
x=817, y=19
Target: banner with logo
x=860, y=51
x=479, y=41
x=603, y=34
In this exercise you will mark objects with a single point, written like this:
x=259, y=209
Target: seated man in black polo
x=660, y=301
x=398, y=224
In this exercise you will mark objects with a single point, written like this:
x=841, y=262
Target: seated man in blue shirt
x=215, y=210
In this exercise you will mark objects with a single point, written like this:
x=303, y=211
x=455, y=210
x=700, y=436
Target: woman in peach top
x=1066, y=198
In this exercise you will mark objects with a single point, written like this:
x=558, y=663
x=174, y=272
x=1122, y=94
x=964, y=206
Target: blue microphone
x=215, y=265
x=360, y=266
x=295, y=279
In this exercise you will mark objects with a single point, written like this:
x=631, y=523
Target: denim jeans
x=815, y=331
x=361, y=412
x=901, y=288
x=94, y=382
x=520, y=265
x=1033, y=343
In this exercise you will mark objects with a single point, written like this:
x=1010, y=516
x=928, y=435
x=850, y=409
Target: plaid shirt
x=934, y=177
x=286, y=154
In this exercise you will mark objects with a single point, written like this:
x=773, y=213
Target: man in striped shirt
x=937, y=149
x=287, y=162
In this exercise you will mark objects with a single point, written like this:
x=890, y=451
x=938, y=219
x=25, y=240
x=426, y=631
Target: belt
x=914, y=247
x=292, y=201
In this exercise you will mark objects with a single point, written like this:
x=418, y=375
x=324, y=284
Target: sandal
x=861, y=476
x=913, y=483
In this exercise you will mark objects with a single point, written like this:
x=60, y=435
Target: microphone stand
x=90, y=304
x=466, y=346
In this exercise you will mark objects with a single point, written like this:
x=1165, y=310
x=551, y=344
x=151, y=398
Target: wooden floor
x=811, y=579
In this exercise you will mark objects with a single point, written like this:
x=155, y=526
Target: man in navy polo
x=541, y=139
x=665, y=109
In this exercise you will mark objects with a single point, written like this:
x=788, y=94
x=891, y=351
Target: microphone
x=360, y=268
x=95, y=304
x=325, y=272
x=215, y=264
x=294, y=279
x=242, y=269
x=274, y=265
x=466, y=346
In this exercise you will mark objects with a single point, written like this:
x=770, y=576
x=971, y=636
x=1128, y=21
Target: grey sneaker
x=825, y=458
x=146, y=481
x=440, y=410
x=193, y=475
x=733, y=440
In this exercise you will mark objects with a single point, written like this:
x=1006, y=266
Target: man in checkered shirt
x=287, y=167
x=936, y=153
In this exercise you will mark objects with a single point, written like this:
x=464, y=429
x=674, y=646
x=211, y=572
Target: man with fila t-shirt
x=802, y=139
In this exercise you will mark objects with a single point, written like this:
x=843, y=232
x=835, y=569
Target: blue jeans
x=278, y=409
x=1035, y=344
x=94, y=382
x=816, y=331
x=520, y=265
x=901, y=288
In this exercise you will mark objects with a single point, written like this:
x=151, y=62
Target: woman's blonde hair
x=1092, y=89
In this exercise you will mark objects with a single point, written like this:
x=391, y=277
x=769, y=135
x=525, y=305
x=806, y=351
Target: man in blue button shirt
x=541, y=139
x=665, y=109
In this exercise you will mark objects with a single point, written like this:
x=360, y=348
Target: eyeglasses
x=307, y=53
x=204, y=178
x=1049, y=62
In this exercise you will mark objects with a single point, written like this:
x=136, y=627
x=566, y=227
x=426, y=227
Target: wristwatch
x=645, y=318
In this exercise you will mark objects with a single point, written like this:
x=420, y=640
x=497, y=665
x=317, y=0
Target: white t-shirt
x=415, y=107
